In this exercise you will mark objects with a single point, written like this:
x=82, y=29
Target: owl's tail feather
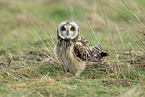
x=104, y=54
x=98, y=54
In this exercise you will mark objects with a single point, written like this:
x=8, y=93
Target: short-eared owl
x=74, y=50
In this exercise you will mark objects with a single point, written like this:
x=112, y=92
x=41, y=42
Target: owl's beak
x=67, y=32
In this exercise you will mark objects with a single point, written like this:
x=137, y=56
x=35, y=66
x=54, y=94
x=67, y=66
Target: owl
x=74, y=50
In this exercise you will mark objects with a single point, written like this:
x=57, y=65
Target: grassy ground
x=28, y=68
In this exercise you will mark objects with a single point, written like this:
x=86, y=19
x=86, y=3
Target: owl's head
x=68, y=30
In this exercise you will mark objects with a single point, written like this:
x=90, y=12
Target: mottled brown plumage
x=74, y=50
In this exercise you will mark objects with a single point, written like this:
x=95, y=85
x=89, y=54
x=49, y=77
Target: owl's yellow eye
x=63, y=29
x=72, y=28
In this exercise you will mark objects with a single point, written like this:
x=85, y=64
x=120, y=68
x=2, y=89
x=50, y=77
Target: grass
x=28, y=68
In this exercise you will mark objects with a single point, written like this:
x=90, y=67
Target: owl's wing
x=84, y=51
x=81, y=52
x=84, y=42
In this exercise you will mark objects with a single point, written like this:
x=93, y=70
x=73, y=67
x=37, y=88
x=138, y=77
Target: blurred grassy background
x=17, y=14
x=118, y=25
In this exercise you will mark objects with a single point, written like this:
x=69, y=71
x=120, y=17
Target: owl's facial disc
x=68, y=30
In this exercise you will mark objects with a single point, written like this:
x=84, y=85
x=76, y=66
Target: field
x=28, y=67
